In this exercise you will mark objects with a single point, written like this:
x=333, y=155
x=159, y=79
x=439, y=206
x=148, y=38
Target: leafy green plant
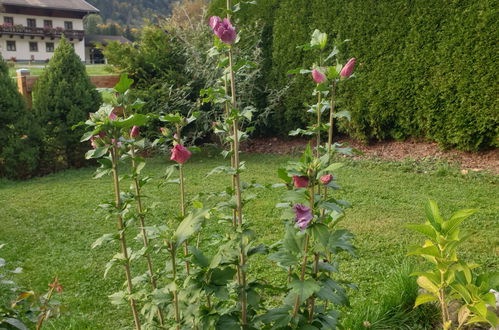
x=25, y=307
x=452, y=278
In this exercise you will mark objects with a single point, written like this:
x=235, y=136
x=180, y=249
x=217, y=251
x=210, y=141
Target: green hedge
x=429, y=68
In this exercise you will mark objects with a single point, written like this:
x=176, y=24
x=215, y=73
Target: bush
x=62, y=97
x=19, y=132
x=427, y=68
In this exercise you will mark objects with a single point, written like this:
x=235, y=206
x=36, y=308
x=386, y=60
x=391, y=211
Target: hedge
x=428, y=68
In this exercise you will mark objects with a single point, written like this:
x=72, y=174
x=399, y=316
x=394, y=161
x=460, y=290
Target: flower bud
x=325, y=179
x=113, y=116
x=318, y=76
x=348, y=68
x=135, y=132
x=165, y=131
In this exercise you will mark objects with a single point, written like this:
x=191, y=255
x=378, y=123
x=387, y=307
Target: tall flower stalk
x=140, y=209
x=115, y=152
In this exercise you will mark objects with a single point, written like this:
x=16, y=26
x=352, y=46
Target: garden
x=137, y=208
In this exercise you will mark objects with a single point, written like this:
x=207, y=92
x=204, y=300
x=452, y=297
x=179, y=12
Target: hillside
x=131, y=12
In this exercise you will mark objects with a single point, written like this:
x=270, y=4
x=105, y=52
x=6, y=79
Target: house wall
x=23, y=53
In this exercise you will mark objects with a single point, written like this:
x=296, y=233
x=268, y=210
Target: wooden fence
x=25, y=83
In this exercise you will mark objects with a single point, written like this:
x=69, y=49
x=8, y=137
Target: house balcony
x=45, y=32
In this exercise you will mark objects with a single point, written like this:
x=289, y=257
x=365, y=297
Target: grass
x=37, y=69
x=49, y=224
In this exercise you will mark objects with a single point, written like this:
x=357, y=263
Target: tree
x=91, y=23
x=62, y=97
x=19, y=131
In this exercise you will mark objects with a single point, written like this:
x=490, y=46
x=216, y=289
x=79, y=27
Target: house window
x=33, y=46
x=31, y=22
x=11, y=45
x=47, y=23
x=49, y=47
x=8, y=20
x=68, y=25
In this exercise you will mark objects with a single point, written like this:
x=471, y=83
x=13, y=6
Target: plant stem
x=302, y=274
x=443, y=304
x=237, y=188
x=319, y=106
x=232, y=160
x=145, y=239
x=175, y=294
x=121, y=227
x=182, y=201
x=331, y=118
x=312, y=299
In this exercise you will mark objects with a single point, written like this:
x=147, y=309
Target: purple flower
x=318, y=76
x=223, y=29
x=113, y=116
x=303, y=215
x=135, y=132
x=348, y=68
x=214, y=20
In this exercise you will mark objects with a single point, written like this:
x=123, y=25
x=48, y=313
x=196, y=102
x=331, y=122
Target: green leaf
x=15, y=323
x=118, y=298
x=124, y=84
x=134, y=120
x=424, y=298
x=96, y=153
x=433, y=215
x=106, y=238
x=341, y=240
x=343, y=114
x=426, y=284
x=456, y=219
x=304, y=289
x=222, y=276
x=424, y=229
x=283, y=175
x=320, y=232
x=190, y=225
x=199, y=258
x=284, y=258
x=281, y=316
x=428, y=251
x=293, y=240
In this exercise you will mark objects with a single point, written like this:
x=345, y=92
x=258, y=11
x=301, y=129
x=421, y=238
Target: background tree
x=91, y=23
x=20, y=139
x=62, y=97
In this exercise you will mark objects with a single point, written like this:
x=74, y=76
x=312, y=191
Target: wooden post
x=22, y=85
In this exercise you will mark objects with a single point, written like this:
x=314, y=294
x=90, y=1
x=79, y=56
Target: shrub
x=62, y=97
x=427, y=67
x=19, y=132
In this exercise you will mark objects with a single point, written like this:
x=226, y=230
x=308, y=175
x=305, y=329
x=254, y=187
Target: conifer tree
x=19, y=131
x=64, y=96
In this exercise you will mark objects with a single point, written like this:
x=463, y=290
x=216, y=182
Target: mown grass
x=49, y=224
x=37, y=69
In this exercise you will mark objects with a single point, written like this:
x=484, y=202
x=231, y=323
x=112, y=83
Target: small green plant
x=451, y=278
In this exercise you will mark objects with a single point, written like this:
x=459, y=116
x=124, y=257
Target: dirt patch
x=391, y=150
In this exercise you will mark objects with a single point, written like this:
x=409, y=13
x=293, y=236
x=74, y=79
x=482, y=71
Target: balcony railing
x=41, y=32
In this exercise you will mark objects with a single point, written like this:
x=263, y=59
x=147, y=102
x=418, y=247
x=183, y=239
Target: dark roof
x=92, y=39
x=72, y=5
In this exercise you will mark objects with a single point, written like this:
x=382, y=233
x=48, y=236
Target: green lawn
x=36, y=70
x=49, y=224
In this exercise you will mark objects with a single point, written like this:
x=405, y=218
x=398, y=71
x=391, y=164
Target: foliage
x=62, y=97
x=131, y=13
x=407, y=83
x=25, y=307
x=452, y=278
x=20, y=136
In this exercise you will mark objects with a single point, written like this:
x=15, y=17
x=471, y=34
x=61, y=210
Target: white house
x=31, y=29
